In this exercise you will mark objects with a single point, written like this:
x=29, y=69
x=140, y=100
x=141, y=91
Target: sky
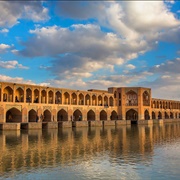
x=92, y=44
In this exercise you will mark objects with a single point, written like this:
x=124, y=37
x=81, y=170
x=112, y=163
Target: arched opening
x=77, y=115
x=153, y=104
x=74, y=99
x=153, y=115
x=158, y=104
x=58, y=99
x=32, y=115
x=62, y=115
x=111, y=101
x=66, y=98
x=8, y=94
x=159, y=115
x=131, y=98
x=13, y=115
x=91, y=115
x=28, y=95
x=166, y=115
x=43, y=96
x=106, y=101
x=146, y=99
x=47, y=116
x=146, y=115
x=119, y=99
x=99, y=100
x=131, y=115
x=164, y=104
x=94, y=101
x=171, y=115
x=103, y=115
x=19, y=95
x=50, y=97
x=115, y=94
x=36, y=96
x=114, y=115
x=81, y=99
x=87, y=99
x=167, y=105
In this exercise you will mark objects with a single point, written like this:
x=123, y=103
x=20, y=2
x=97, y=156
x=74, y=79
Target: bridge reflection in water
x=87, y=152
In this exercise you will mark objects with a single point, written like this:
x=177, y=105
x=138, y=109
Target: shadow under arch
x=131, y=115
x=62, y=115
x=103, y=115
x=146, y=115
x=32, y=116
x=77, y=115
x=13, y=115
x=91, y=115
x=47, y=116
x=114, y=115
x=153, y=115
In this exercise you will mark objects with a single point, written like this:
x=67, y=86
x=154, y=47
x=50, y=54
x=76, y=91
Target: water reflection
x=90, y=152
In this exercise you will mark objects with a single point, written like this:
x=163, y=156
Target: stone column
x=77, y=98
x=140, y=105
x=14, y=92
x=54, y=96
x=47, y=97
x=62, y=97
x=24, y=94
x=39, y=96
x=123, y=103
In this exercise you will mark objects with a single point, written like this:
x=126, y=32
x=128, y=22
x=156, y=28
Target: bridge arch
x=77, y=115
x=13, y=115
x=8, y=94
x=131, y=115
x=62, y=115
x=47, y=116
x=111, y=101
x=159, y=115
x=58, y=98
x=146, y=115
x=166, y=116
x=19, y=95
x=81, y=99
x=103, y=115
x=28, y=95
x=114, y=115
x=171, y=115
x=153, y=115
x=66, y=98
x=91, y=115
x=32, y=115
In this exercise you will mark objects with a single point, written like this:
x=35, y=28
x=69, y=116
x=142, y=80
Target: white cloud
x=12, y=11
x=3, y=48
x=5, y=78
x=130, y=66
x=4, y=30
x=80, y=49
x=11, y=65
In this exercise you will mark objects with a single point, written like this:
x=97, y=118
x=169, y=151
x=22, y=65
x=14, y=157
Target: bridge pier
x=10, y=126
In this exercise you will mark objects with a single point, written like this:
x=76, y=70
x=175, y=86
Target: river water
x=125, y=152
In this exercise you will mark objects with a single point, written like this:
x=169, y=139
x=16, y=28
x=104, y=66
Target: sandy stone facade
x=22, y=103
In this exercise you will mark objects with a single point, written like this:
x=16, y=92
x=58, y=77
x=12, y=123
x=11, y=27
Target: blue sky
x=95, y=44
